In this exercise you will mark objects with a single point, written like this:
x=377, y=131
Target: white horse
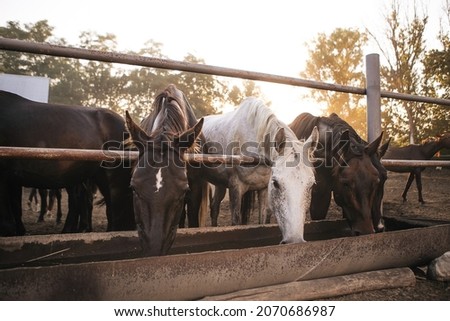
x=284, y=180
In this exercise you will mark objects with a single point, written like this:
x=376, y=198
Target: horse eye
x=134, y=190
x=275, y=184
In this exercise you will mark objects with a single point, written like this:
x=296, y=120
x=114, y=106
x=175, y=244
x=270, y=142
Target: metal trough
x=204, y=262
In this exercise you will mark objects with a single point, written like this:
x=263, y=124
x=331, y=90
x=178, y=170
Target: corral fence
x=372, y=91
x=207, y=264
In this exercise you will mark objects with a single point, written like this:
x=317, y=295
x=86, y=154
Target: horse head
x=357, y=183
x=292, y=178
x=444, y=140
x=159, y=180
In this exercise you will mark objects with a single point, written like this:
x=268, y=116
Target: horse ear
x=372, y=148
x=344, y=143
x=280, y=141
x=138, y=136
x=383, y=148
x=187, y=139
x=311, y=143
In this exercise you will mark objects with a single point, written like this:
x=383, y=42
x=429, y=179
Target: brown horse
x=416, y=152
x=160, y=178
x=25, y=123
x=348, y=167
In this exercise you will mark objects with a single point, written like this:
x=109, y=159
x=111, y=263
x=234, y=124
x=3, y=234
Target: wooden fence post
x=373, y=94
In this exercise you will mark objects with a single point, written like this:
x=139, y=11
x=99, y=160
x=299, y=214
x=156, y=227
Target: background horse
x=160, y=178
x=350, y=168
x=25, y=123
x=416, y=152
x=48, y=198
x=253, y=129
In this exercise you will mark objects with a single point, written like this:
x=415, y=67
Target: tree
x=65, y=83
x=338, y=58
x=404, y=52
x=437, y=78
x=101, y=84
x=236, y=94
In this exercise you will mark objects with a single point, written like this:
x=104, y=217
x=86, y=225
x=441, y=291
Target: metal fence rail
x=136, y=60
x=111, y=155
x=129, y=59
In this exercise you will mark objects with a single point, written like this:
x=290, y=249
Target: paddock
x=208, y=262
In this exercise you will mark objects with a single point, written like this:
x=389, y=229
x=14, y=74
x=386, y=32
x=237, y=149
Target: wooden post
x=373, y=94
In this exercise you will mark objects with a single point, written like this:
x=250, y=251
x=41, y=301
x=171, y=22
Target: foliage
x=338, y=58
x=404, y=52
x=437, y=79
x=93, y=83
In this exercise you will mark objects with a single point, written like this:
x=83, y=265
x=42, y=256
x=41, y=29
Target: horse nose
x=292, y=240
x=380, y=227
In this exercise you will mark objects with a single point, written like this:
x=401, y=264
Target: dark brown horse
x=26, y=123
x=160, y=178
x=416, y=152
x=348, y=167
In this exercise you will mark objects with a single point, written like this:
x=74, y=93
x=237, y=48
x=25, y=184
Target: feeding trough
x=204, y=262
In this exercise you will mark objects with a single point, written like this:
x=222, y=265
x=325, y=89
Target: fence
x=373, y=90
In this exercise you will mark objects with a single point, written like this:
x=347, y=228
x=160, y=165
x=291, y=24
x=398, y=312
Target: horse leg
x=419, y=185
x=247, y=206
x=16, y=206
x=43, y=194
x=71, y=224
x=85, y=203
x=235, y=204
x=264, y=213
x=408, y=185
x=57, y=194
x=32, y=197
x=7, y=219
x=219, y=194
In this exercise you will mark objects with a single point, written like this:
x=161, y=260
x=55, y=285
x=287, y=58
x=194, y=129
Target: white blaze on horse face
x=159, y=180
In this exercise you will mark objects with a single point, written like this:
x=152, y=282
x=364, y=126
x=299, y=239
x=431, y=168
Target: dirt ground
x=436, y=193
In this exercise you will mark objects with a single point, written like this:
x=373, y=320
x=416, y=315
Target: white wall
x=33, y=88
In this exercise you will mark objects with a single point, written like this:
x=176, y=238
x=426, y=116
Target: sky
x=265, y=36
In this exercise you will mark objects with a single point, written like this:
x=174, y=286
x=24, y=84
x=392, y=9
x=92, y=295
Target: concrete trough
x=204, y=262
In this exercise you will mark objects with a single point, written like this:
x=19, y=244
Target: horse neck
x=431, y=148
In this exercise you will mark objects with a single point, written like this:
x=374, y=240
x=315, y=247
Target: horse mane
x=338, y=126
x=174, y=114
x=303, y=125
x=263, y=119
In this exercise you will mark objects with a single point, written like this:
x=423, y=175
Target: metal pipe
x=373, y=96
x=129, y=59
x=414, y=163
x=135, y=60
x=110, y=155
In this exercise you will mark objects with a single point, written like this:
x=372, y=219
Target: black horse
x=161, y=178
x=25, y=123
x=348, y=167
x=416, y=152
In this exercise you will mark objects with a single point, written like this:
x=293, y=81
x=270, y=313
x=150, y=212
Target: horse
x=25, y=123
x=423, y=151
x=285, y=173
x=48, y=198
x=161, y=177
x=347, y=167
